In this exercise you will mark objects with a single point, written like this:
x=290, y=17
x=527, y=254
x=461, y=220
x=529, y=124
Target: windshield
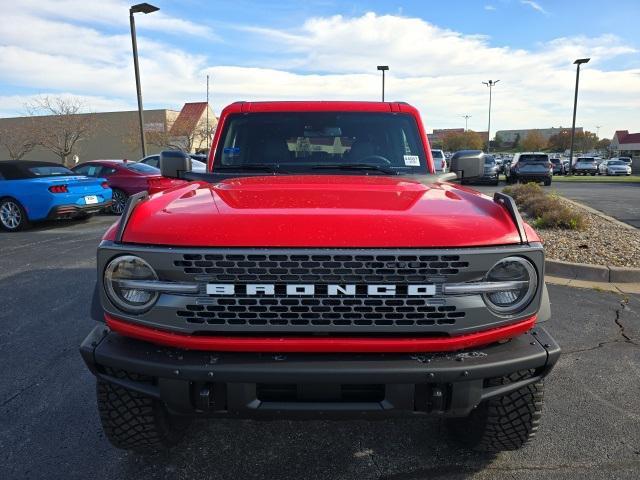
x=50, y=171
x=555, y=160
x=437, y=154
x=616, y=162
x=315, y=142
x=534, y=158
x=142, y=168
x=489, y=160
x=586, y=160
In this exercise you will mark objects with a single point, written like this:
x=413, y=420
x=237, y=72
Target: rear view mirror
x=468, y=164
x=173, y=163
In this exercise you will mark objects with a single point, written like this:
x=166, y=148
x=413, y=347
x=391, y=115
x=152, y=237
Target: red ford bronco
x=320, y=269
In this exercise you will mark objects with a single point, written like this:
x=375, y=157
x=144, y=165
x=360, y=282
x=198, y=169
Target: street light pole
x=383, y=68
x=489, y=84
x=466, y=121
x=578, y=62
x=208, y=137
x=139, y=8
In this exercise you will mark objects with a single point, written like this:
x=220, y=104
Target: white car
x=614, y=167
x=626, y=160
x=439, y=161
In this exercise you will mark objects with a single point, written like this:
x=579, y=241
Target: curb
x=598, y=213
x=593, y=273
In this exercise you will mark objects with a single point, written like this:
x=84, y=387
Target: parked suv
x=557, y=166
x=320, y=269
x=439, y=160
x=585, y=166
x=529, y=167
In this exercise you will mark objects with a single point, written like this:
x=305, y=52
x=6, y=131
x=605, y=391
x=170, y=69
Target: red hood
x=320, y=211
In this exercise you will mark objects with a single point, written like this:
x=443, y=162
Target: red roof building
x=190, y=126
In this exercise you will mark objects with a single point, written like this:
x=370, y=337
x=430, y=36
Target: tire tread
x=134, y=421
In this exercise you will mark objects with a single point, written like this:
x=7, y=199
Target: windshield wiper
x=355, y=166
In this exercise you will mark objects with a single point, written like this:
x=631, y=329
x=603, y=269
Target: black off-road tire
x=503, y=423
x=547, y=182
x=133, y=421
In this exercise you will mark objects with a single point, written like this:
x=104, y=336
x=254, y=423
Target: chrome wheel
x=119, y=200
x=10, y=215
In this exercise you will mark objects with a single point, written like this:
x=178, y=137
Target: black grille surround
x=320, y=313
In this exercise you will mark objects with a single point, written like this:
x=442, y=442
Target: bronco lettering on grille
x=385, y=290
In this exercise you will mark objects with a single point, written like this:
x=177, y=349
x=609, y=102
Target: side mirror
x=468, y=164
x=173, y=163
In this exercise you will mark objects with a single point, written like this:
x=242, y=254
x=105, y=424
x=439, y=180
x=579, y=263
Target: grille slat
x=347, y=311
x=342, y=268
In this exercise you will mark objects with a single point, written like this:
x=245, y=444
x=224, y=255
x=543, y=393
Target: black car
x=558, y=166
x=529, y=167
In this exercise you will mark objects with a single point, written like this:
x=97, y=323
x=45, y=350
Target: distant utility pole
x=383, y=68
x=208, y=139
x=489, y=84
x=466, y=121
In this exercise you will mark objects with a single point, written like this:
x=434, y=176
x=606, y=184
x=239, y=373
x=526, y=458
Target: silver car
x=614, y=167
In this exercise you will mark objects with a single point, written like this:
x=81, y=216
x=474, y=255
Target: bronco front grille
x=321, y=268
x=282, y=309
x=319, y=312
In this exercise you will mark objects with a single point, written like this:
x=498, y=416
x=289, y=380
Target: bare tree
x=197, y=139
x=65, y=124
x=18, y=140
x=168, y=139
x=158, y=137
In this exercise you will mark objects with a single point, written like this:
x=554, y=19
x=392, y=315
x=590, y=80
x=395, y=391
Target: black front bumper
x=72, y=211
x=317, y=385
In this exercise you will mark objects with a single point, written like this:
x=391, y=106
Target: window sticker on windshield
x=412, y=160
x=231, y=151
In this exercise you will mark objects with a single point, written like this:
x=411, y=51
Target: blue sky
x=439, y=54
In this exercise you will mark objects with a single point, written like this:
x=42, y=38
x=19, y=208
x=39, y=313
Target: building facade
x=510, y=136
x=625, y=144
x=116, y=135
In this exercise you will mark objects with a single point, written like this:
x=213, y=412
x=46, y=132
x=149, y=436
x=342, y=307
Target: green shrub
x=560, y=218
x=547, y=209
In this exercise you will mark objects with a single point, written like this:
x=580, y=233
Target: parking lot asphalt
x=618, y=200
x=50, y=427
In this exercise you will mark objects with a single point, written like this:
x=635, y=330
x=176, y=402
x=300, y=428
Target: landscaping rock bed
x=601, y=242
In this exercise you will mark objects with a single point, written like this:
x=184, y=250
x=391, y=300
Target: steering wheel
x=379, y=159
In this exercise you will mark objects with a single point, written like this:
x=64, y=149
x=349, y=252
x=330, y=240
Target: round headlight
x=524, y=278
x=125, y=296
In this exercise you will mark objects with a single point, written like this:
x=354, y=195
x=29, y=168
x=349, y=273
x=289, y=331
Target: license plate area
x=90, y=199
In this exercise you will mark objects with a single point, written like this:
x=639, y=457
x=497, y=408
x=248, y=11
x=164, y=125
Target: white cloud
x=535, y=5
x=489, y=8
x=104, y=12
x=438, y=70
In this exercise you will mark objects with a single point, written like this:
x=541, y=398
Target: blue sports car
x=32, y=191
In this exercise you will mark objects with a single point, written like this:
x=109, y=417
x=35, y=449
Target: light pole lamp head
x=143, y=8
x=490, y=83
x=580, y=61
x=383, y=67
